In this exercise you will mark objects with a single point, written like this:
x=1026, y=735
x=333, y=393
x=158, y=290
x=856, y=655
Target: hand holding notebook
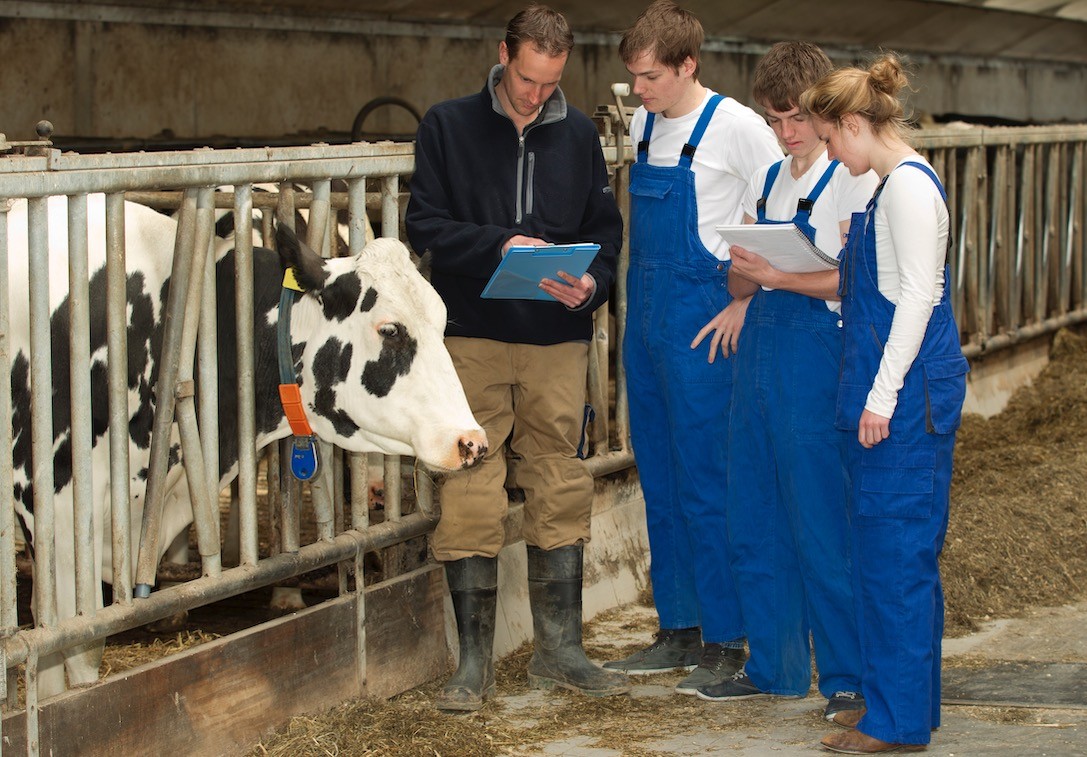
x=782, y=244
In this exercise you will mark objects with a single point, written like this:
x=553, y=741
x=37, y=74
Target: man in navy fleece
x=515, y=165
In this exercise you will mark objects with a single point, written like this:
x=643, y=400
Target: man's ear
x=503, y=53
x=688, y=66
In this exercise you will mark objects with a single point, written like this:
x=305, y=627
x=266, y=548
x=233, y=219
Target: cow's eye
x=389, y=330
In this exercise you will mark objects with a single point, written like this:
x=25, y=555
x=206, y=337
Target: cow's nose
x=472, y=447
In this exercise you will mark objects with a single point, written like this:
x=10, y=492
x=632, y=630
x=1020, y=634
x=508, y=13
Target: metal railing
x=371, y=174
x=1018, y=200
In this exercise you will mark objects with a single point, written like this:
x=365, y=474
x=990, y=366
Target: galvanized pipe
x=206, y=590
x=41, y=410
x=169, y=368
x=247, y=423
x=9, y=619
x=390, y=227
x=290, y=492
x=208, y=361
x=79, y=359
x=83, y=174
x=203, y=496
x=117, y=372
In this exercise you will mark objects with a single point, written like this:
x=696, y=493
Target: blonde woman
x=901, y=393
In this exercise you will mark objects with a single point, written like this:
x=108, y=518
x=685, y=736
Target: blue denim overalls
x=899, y=494
x=787, y=518
x=678, y=401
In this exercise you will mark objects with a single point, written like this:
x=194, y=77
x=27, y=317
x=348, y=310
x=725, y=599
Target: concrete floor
x=789, y=727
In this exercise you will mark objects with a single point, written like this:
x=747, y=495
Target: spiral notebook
x=782, y=244
x=519, y=274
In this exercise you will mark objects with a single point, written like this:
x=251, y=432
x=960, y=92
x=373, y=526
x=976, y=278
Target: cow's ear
x=309, y=267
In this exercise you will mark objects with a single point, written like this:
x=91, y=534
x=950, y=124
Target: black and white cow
x=367, y=341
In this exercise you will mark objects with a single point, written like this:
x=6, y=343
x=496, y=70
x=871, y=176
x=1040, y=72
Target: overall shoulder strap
x=643, y=143
x=931, y=174
x=771, y=177
x=687, y=155
x=805, y=205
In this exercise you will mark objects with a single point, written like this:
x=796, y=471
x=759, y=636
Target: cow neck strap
x=304, y=461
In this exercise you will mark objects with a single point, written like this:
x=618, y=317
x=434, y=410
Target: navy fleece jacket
x=477, y=183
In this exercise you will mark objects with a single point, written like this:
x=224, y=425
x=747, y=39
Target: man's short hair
x=787, y=69
x=543, y=27
x=666, y=31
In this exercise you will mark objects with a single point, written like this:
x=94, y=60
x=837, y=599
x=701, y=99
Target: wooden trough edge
x=219, y=698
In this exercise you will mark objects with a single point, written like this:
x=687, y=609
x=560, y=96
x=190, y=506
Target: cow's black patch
x=341, y=296
x=397, y=354
x=331, y=365
x=368, y=300
x=20, y=415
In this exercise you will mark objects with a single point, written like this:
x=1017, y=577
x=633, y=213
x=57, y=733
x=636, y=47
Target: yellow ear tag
x=289, y=281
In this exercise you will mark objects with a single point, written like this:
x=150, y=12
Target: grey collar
x=553, y=110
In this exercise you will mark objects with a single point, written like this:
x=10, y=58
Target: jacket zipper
x=520, y=174
x=530, y=183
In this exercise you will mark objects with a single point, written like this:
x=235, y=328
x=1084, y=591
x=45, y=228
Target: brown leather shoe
x=855, y=742
x=848, y=718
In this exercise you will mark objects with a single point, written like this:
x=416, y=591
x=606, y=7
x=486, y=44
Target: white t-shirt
x=843, y=196
x=911, y=250
x=736, y=143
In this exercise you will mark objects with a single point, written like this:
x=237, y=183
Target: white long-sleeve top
x=911, y=225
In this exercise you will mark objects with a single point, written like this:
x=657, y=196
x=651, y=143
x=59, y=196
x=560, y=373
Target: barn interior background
x=242, y=73
x=130, y=76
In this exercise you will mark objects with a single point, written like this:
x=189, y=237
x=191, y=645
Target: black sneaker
x=739, y=686
x=718, y=664
x=844, y=701
x=674, y=648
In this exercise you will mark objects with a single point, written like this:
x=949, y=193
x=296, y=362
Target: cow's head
x=368, y=338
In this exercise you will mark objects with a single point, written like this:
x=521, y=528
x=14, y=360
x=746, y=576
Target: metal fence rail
x=1017, y=199
x=370, y=173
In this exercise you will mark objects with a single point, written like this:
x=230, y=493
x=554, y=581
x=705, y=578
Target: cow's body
x=367, y=345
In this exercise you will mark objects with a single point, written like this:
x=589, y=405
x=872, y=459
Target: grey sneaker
x=845, y=708
x=739, y=686
x=718, y=664
x=674, y=648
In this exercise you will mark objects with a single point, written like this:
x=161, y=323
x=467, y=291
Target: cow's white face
x=374, y=371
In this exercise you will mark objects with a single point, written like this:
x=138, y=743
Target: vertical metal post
x=622, y=409
x=247, y=424
x=79, y=325
x=321, y=488
x=117, y=352
x=390, y=227
x=33, y=727
x=9, y=620
x=41, y=404
x=359, y=463
x=173, y=325
x=290, y=491
x=194, y=450
x=208, y=357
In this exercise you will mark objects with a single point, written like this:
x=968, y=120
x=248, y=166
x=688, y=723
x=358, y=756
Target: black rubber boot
x=554, y=590
x=473, y=585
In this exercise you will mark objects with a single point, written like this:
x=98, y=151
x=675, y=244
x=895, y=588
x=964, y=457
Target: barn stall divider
x=1017, y=199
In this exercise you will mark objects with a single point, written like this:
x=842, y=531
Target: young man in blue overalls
x=787, y=517
x=696, y=150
